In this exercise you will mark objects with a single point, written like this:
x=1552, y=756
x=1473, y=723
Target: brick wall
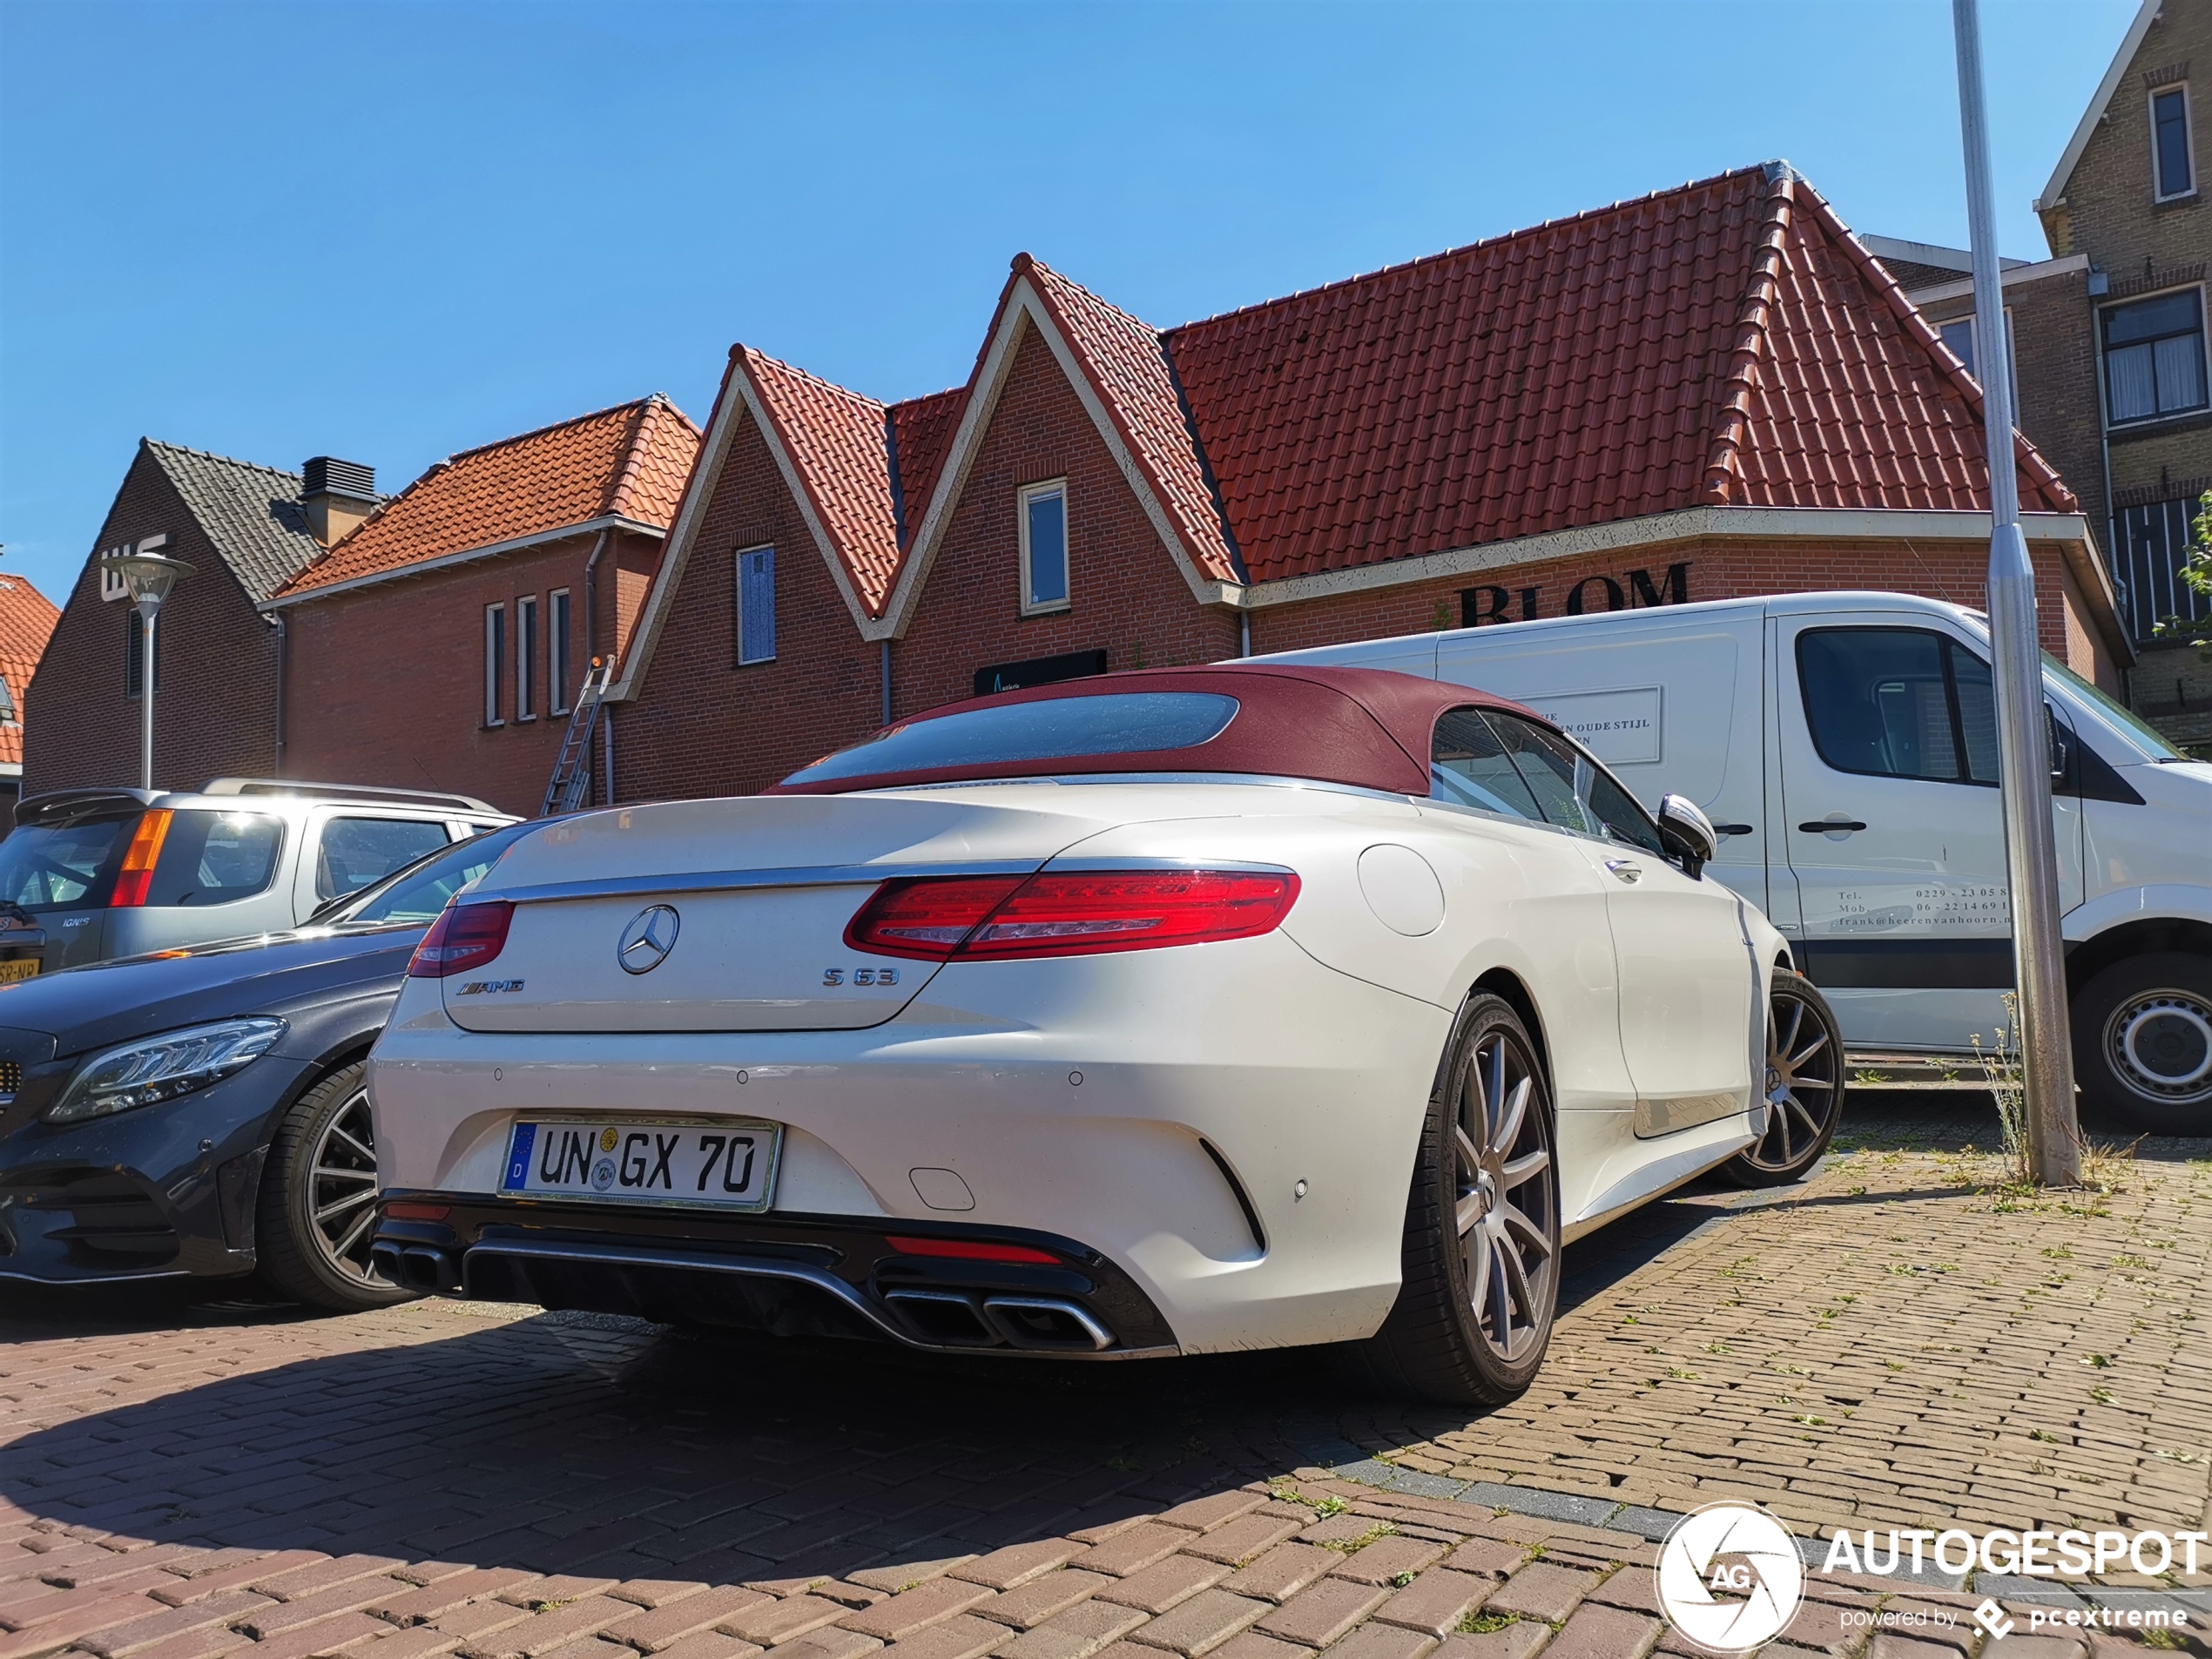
x=702, y=726
x=385, y=683
x=1126, y=595
x=215, y=703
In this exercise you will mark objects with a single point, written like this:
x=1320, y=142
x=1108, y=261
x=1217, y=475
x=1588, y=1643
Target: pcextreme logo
x=1729, y=1577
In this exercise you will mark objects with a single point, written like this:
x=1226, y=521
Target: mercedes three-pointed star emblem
x=647, y=941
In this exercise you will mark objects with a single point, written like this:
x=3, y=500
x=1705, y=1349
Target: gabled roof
x=837, y=441
x=2100, y=101
x=252, y=514
x=27, y=619
x=627, y=465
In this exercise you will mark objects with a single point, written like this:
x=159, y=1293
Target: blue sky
x=390, y=231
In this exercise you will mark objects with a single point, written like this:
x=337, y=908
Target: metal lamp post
x=148, y=576
x=2053, y=1130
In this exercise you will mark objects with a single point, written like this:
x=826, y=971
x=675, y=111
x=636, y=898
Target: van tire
x=1803, y=1086
x=1479, y=1194
x=312, y=1163
x=2142, y=1043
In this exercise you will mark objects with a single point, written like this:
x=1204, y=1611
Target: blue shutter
x=757, y=605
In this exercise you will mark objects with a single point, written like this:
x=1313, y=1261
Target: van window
x=64, y=865
x=1899, y=702
x=357, y=851
x=1572, y=791
x=214, y=858
x=1468, y=767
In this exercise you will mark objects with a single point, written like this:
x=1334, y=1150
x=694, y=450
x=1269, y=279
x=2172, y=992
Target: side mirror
x=1688, y=833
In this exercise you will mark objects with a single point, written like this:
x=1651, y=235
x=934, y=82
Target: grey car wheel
x=2142, y=1042
x=1803, y=1085
x=318, y=1204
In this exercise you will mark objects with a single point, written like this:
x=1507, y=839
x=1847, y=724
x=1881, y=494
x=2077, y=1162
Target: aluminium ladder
x=571, y=779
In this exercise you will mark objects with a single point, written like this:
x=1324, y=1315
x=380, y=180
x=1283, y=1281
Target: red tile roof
x=27, y=618
x=1724, y=343
x=630, y=462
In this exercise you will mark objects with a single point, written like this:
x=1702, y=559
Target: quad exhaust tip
x=417, y=1267
x=1039, y=1324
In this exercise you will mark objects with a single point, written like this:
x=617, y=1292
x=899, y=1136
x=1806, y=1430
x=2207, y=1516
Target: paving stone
x=1384, y=1642
x=1003, y=1569
x=707, y=1644
x=336, y=1633
x=1080, y=1632
x=1201, y=1623
x=655, y=1592
x=664, y=1626
x=1605, y=1633
x=778, y=1622
x=111, y=1639
x=1315, y=1617
x=199, y=1587
x=903, y=1615
x=1240, y=1540
x=1250, y=1644
x=828, y=1642
x=1132, y=1549
x=1388, y=1559
x=1204, y=1515
x=540, y=1633
x=403, y=1605
x=1282, y=1571
x=905, y=1575
x=1436, y=1602
x=1539, y=1591
x=267, y=1622
x=1164, y=1584
x=1042, y=1598
x=961, y=1636
x=1519, y=1640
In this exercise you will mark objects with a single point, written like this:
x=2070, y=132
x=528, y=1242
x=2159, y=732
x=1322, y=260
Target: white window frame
x=736, y=601
x=494, y=663
x=2188, y=139
x=2141, y=422
x=557, y=620
x=1022, y=497
x=525, y=658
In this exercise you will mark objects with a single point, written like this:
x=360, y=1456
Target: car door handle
x=1723, y=829
x=1629, y=872
x=1826, y=825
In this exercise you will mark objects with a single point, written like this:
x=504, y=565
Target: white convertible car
x=1166, y=1012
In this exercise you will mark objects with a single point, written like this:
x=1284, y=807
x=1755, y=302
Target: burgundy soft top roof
x=1364, y=726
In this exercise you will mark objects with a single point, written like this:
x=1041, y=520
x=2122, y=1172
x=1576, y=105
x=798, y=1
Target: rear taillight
x=464, y=936
x=136, y=878
x=1070, y=913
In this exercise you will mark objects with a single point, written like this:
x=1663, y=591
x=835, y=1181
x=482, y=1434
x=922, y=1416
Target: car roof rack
x=56, y=804
x=288, y=786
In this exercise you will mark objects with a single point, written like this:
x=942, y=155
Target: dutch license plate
x=729, y=1165
x=22, y=969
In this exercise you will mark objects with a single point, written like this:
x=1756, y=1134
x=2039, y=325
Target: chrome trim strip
x=118, y=1279
x=755, y=1267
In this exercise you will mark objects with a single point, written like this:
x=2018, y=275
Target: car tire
x=2142, y=1043
x=313, y=1223
x=1481, y=1252
x=1803, y=1086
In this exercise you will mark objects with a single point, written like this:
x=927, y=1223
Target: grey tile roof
x=252, y=514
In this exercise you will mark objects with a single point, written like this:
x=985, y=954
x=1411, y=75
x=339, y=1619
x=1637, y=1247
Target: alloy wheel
x=2160, y=1042
x=1803, y=1082
x=341, y=1188
x=1507, y=1198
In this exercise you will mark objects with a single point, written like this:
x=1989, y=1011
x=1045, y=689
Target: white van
x=1845, y=744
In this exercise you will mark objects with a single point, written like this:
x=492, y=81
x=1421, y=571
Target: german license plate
x=22, y=969
x=729, y=1165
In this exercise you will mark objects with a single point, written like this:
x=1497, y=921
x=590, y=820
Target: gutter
x=604, y=522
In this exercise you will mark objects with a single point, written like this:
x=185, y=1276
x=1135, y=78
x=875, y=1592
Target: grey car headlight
x=162, y=1068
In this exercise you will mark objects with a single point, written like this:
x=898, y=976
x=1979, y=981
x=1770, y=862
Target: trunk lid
x=761, y=890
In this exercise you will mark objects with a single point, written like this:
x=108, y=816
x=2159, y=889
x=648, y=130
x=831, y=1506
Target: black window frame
x=2185, y=121
x=1946, y=647
x=2106, y=316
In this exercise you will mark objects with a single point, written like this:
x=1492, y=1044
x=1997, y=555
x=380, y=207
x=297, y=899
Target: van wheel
x=1803, y=1086
x=318, y=1200
x=1473, y=1313
x=2142, y=1043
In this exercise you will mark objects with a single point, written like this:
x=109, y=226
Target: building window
x=495, y=661
x=756, y=605
x=526, y=657
x=2150, y=548
x=2172, y=173
x=1044, y=547
x=556, y=651
x=2154, y=357
x=7, y=715
x=134, y=654
x=1964, y=337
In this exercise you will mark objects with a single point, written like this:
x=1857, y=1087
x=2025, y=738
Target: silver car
x=90, y=874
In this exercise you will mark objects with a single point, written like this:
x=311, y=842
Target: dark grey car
x=201, y=1111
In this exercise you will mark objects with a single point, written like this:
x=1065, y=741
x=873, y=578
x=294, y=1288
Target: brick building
x=246, y=529
x=1709, y=392
x=27, y=619
x=441, y=644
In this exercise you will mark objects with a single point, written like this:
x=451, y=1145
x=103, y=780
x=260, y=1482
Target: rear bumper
x=1230, y=1127
x=789, y=1275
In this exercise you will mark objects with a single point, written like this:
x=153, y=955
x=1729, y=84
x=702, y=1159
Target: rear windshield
x=62, y=867
x=1111, y=723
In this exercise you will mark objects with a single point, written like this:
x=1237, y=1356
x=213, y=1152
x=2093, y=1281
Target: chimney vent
x=336, y=496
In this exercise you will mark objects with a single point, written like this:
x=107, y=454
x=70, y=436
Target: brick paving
x=1897, y=1343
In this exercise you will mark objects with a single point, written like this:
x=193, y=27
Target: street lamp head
x=147, y=575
